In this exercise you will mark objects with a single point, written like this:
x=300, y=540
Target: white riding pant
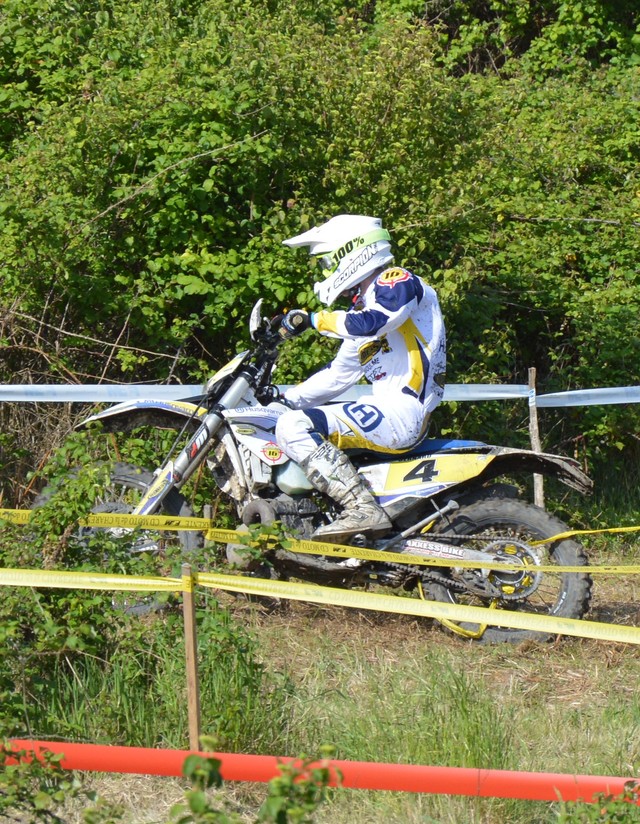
x=371, y=423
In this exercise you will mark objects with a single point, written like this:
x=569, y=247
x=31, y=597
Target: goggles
x=329, y=263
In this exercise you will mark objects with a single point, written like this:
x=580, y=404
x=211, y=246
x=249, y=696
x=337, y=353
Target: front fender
x=132, y=414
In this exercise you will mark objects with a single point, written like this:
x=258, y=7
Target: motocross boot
x=333, y=474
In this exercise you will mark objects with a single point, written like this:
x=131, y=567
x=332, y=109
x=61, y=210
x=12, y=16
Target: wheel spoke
x=507, y=529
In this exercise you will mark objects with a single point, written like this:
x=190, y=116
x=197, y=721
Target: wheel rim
x=121, y=497
x=545, y=598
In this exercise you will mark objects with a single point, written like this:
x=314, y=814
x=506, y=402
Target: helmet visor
x=329, y=263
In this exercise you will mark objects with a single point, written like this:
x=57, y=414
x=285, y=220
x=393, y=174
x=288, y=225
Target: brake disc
x=515, y=585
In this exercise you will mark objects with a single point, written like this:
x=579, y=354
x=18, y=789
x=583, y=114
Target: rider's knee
x=299, y=432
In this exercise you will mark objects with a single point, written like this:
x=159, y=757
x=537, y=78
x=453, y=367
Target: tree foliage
x=547, y=36
x=154, y=154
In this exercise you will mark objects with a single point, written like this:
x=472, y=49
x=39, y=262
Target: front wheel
x=122, y=493
x=512, y=528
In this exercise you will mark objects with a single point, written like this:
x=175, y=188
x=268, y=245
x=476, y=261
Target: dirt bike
x=441, y=496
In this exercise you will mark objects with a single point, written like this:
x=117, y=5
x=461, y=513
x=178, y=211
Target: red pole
x=360, y=775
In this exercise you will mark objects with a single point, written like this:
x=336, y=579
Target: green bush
x=154, y=156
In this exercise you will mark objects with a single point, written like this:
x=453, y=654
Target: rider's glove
x=270, y=394
x=294, y=323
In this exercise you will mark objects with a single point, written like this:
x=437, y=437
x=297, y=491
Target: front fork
x=173, y=474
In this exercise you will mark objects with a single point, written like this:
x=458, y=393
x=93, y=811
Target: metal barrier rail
x=114, y=393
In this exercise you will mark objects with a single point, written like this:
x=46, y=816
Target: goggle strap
x=333, y=258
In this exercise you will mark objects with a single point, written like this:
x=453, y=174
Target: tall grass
x=433, y=716
x=138, y=696
x=377, y=688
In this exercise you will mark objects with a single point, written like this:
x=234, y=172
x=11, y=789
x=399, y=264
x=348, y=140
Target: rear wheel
x=510, y=529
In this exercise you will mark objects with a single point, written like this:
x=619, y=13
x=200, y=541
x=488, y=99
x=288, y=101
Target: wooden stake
x=534, y=434
x=191, y=654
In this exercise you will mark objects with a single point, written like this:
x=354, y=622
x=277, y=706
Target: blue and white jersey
x=394, y=336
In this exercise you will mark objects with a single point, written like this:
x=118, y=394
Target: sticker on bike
x=424, y=472
x=271, y=452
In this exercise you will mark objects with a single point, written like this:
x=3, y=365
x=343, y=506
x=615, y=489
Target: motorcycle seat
x=441, y=445
x=426, y=447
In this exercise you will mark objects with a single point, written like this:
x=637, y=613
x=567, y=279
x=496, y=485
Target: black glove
x=294, y=323
x=269, y=394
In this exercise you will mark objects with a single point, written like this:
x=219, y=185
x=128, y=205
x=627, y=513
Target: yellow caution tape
x=573, y=532
x=458, y=629
x=51, y=579
x=428, y=609
x=120, y=520
x=327, y=595
x=187, y=582
x=170, y=522
x=15, y=516
x=390, y=557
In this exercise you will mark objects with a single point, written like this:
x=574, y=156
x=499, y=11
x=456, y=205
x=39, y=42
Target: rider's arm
x=328, y=383
x=389, y=302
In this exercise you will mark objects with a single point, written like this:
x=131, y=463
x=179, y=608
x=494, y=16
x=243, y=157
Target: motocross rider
x=393, y=335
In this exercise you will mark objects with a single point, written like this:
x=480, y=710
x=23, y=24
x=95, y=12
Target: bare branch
x=148, y=183
x=525, y=219
x=106, y=344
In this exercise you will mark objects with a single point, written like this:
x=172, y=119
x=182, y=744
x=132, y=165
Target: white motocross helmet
x=350, y=248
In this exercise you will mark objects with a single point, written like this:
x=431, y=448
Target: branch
x=18, y=347
x=147, y=184
x=106, y=344
x=525, y=219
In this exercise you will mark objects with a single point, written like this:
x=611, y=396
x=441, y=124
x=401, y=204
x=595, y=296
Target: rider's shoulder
x=396, y=287
x=393, y=276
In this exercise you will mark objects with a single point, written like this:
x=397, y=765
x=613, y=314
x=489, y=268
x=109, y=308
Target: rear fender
x=508, y=461
x=470, y=475
x=162, y=414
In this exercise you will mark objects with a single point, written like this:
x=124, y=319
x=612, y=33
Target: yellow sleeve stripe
x=325, y=321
